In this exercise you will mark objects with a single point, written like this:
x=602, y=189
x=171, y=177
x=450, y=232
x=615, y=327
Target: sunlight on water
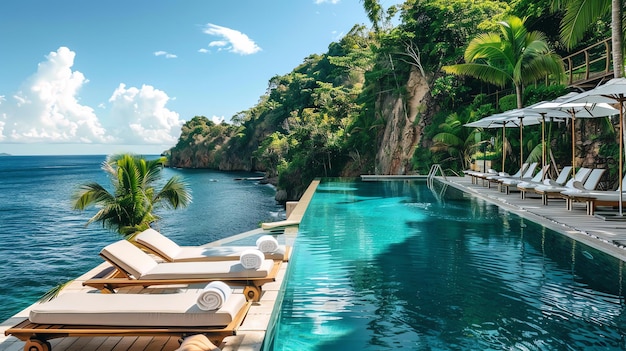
x=395, y=265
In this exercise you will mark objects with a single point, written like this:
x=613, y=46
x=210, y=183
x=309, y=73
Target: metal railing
x=434, y=169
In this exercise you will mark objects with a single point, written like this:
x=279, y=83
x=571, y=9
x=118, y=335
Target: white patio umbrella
x=612, y=92
x=575, y=110
x=541, y=115
x=508, y=119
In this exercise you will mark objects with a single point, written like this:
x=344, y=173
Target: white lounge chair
x=590, y=179
x=476, y=175
x=133, y=267
x=594, y=198
x=513, y=182
x=170, y=251
x=526, y=172
x=560, y=180
x=94, y=314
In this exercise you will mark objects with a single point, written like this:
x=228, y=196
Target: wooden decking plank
x=109, y=344
x=161, y=344
x=64, y=343
x=79, y=344
x=95, y=342
x=124, y=343
x=140, y=343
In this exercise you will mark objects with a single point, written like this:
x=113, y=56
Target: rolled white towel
x=267, y=244
x=251, y=259
x=198, y=342
x=213, y=296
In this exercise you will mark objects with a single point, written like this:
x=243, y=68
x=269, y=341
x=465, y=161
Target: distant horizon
x=4, y=154
x=37, y=149
x=153, y=67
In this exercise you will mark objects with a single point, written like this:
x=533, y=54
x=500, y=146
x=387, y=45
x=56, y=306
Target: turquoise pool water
x=396, y=265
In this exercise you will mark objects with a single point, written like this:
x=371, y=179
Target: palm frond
x=174, y=193
x=485, y=72
x=579, y=15
x=91, y=194
x=54, y=292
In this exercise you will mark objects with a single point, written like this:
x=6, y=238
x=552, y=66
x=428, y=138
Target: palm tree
x=581, y=14
x=130, y=208
x=456, y=141
x=513, y=56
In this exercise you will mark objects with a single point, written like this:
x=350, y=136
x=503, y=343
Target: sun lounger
x=133, y=267
x=590, y=179
x=594, y=198
x=476, y=175
x=89, y=314
x=560, y=180
x=493, y=173
x=524, y=171
x=168, y=250
x=513, y=182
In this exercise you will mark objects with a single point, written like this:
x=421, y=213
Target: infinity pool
x=398, y=265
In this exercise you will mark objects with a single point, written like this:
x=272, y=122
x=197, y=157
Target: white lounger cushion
x=215, y=269
x=141, y=266
x=172, y=252
x=134, y=310
x=189, y=253
x=609, y=195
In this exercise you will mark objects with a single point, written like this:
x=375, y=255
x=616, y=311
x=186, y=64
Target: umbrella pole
x=521, y=145
x=543, y=145
x=621, y=151
x=503, y=149
x=573, y=142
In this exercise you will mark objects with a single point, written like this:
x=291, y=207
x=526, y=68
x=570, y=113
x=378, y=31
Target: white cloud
x=203, y=50
x=139, y=116
x=165, y=53
x=236, y=41
x=46, y=108
x=218, y=43
x=327, y=1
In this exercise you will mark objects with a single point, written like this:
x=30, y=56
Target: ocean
x=44, y=242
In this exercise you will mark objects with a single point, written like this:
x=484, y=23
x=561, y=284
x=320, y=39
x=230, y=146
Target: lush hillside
x=376, y=102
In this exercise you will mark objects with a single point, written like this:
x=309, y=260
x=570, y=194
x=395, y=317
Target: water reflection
x=397, y=266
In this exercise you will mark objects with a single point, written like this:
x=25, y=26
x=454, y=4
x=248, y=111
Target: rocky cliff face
x=405, y=121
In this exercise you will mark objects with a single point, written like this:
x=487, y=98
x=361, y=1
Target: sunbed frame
x=115, y=277
x=37, y=335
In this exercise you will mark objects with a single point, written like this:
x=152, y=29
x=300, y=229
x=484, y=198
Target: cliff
x=404, y=125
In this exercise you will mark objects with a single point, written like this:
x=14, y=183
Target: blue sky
x=101, y=77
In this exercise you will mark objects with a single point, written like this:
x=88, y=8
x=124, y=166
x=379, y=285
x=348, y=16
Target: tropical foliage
x=330, y=116
x=132, y=204
x=514, y=56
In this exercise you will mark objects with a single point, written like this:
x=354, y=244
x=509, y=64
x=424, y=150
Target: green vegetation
x=131, y=207
x=381, y=100
x=515, y=56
